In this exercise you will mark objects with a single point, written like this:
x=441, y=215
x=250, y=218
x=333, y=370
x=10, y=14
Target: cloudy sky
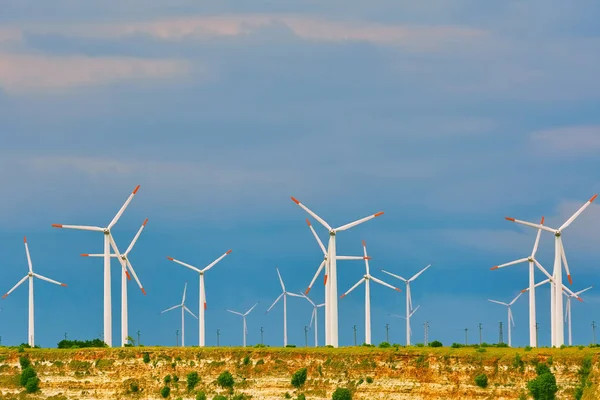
x=446, y=115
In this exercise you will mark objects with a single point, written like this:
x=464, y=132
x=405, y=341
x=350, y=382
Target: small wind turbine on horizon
x=532, y=264
x=202, y=295
x=314, y=317
x=108, y=243
x=183, y=310
x=510, y=315
x=244, y=315
x=284, y=294
x=407, y=318
x=30, y=275
x=331, y=297
x=126, y=265
x=558, y=330
x=366, y=279
x=409, y=308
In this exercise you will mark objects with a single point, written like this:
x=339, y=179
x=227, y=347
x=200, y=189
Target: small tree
x=25, y=362
x=435, y=343
x=225, y=380
x=481, y=380
x=384, y=345
x=544, y=386
x=32, y=385
x=299, y=378
x=341, y=394
x=192, y=380
x=26, y=375
x=200, y=396
x=165, y=392
x=146, y=357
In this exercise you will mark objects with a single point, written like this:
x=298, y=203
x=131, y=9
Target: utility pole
x=219, y=334
x=261, y=335
x=466, y=336
x=387, y=333
x=594, y=329
x=138, y=335
x=426, y=326
x=500, y=338
x=0, y=340
x=480, y=329
x=354, y=327
x=537, y=343
x=305, y=336
x=65, y=335
x=177, y=337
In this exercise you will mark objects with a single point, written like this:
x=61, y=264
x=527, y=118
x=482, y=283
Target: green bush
x=384, y=345
x=584, y=373
x=481, y=350
x=543, y=387
x=175, y=378
x=32, y=385
x=290, y=345
x=260, y=362
x=299, y=377
x=77, y=344
x=225, y=380
x=301, y=397
x=341, y=394
x=167, y=379
x=528, y=348
x=246, y=360
x=456, y=345
x=165, y=392
x=200, y=396
x=481, y=380
x=146, y=357
x=419, y=345
x=369, y=379
x=435, y=343
x=27, y=374
x=192, y=380
x=219, y=397
x=25, y=362
x=134, y=387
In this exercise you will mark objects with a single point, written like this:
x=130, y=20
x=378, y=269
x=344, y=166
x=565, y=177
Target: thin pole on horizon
x=218, y=334
x=138, y=337
x=305, y=336
x=426, y=327
x=354, y=327
x=480, y=329
x=177, y=337
x=537, y=342
x=500, y=337
x=594, y=330
x=466, y=336
x=65, y=335
x=387, y=333
x=261, y=335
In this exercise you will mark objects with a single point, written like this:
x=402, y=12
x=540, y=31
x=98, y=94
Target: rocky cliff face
x=265, y=373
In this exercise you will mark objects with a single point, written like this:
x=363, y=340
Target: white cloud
x=33, y=73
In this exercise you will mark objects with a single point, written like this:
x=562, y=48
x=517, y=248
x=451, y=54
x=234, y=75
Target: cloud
x=568, y=141
x=21, y=73
x=10, y=35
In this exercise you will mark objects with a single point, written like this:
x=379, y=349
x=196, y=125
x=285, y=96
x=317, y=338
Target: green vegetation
x=28, y=378
x=384, y=345
x=225, y=380
x=584, y=373
x=192, y=380
x=299, y=378
x=246, y=360
x=219, y=397
x=167, y=379
x=435, y=343
x=165, y=392
x=481, y=380
x=146, y=357
x=200, y=396
x=543, y=387
x=341, y=394
x=79, y=344
x=369, y=379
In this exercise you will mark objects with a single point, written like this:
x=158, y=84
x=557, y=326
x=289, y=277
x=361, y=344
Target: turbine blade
x=315, y=277
x=280, y=280
x=543, y=269
x=184, y=291
x=584, y=290
x=16, y=286
x=97, y=255
x=212, y=264
x=312, y=214
x=312, y=317
x=275, y=302
x=498, y=302
x=419, y=273
x=511, y=317
x=79, y=227
x=120, y=212
x=351, y=258
x=113, y=244
x=394, y=275
x=564, y=259
x=49, y=280
x=409, y=295
x=190, y=311
x=316, y=237
x=358, y=222
x=135, y=238
x=251, y=308
x=28, y=256
x=532, y=225
x=366, y=256
x=515, y=299
x=171, y=308
x=135, y=276
x=353, y=287
x=384, y=283
x=235, y=312
x=537, y=240
x=293, y=294
x=184, y=264
x=577, y=214
x=522, y=260
x=414, y=311
x=308, y=299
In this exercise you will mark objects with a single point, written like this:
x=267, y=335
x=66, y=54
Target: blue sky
x=447, y=115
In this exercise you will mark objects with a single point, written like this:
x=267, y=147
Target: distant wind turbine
x=183, y=310
x=244, y=315
x=284, y=294
x=314, y=317
x=510, y=316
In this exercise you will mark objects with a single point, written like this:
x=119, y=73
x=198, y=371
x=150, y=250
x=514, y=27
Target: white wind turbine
x=108, y=242
x=407, y=318
x=366, y=279
x=558, y=332
x=314, y=317
x=126, y=264
x=408, y=299
x=183, y=310
x=244, y=315
x=531, y=260
x=510, y=316
x=30, y=275
x=331, y=298
x=202, y=295
x=284, y=294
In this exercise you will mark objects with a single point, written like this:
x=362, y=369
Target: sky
x=446, y=115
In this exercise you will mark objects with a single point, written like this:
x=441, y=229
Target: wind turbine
x=284, y=294
x=183, y=310
x=202, y=296
x=331, y=299
x=314, y=317
x=366, y=279
x=407, y=318
x=408, y=299
x=531, y=261
x=244, y=315
x=510, y=316
x=558, y=332
x=108, y=242
x=30, y=275
x=126, y=264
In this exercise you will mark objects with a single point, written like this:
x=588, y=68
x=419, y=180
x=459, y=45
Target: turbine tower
x=202, y=296
x=314, y=317
x=366, y=279
x=407, y=318
x=244, y=315
x=510, y=316
x=108, y=242
x=531, y=261
x=126, y=265
x=409, y=308
x=284, y=294
x=558, y=331
x=331, y=297
x=183, y=310
x=30, y=275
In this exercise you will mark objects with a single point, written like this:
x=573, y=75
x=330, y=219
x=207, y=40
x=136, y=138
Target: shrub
x=301, y=397
x=435, y=343
x=584, y=373
x=225, y=380
x=384, y=345
x=25, y=362
x=219, y=397
x=32, y=385
x=290, y=345
x=456, y=345
x=167, y=379
x=192, y=380
x=341, y=394
x=246, y=360
x=527, y=348
x=200, y=396
x=580, y=347
x=146, y=357
x=77, y=344
x=165, y=392
x=502, y=345
x=369, y=379
x=419, y=345
x=134, y=387
x=175, y=378
x=481, y=350
x=544, y=386
x=287, y=395
x=481, y=380
x=27, y=374
x=299, y=377
x=260, y=362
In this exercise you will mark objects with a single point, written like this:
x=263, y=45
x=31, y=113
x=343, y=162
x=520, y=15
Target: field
x=265, y=373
